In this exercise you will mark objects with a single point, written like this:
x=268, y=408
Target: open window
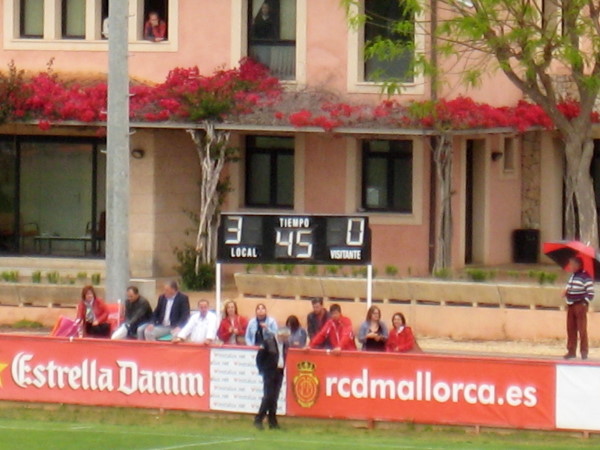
x=272, y=35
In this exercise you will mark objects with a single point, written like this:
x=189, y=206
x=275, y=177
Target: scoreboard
x=294, y=239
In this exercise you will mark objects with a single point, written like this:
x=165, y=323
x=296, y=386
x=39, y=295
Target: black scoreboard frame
x=247, y=238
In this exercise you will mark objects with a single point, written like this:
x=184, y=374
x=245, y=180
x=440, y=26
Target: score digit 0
x=355, y=232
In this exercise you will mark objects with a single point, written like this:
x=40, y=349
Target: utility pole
x=117, y=163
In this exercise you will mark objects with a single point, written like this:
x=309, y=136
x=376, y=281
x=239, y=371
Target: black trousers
x=100, y=330
x=272, y=380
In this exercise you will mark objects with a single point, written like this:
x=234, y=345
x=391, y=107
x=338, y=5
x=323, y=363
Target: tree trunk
x=581, y=219
x=442, y=156
x=211, y=146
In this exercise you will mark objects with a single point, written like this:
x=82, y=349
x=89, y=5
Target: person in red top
x=401, y=338
x=155, y=29
x=233, y=326
x=92, y=314
x=338, y=329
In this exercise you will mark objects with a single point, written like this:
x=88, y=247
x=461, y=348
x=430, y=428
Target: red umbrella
x=562, y=251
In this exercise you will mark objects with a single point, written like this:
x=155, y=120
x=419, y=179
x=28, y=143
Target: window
x=272, y=35
x=383, y=17
x=83, y=25
x=42, y=175
x=31, y=19
x=73, y=19
x=269, y=172
x=509, y=155
x=159, y=8
x=387, y=175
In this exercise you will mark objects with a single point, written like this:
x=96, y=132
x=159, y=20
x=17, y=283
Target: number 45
x=301, y=240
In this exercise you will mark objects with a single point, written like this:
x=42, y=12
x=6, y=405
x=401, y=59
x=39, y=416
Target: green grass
x=70, y=427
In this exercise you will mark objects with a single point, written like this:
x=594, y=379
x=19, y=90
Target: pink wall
x=325, y=175
x=504, y=206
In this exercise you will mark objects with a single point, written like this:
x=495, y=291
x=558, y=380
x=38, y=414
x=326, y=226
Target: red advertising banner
x=422, y=388
x=104, y=372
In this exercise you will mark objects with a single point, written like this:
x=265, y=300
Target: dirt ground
x=525, y=349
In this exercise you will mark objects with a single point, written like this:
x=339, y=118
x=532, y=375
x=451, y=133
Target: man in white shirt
x=201, y=328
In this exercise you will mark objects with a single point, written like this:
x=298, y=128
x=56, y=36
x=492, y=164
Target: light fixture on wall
x=137, y=153
x=496, y=155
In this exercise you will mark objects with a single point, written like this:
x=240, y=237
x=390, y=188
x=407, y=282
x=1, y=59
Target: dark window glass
x=73, y=19
x=32, y=19
x=272, y=35
x=387, y=176
x=8, y=198
x=270, y=172
x=389, y=20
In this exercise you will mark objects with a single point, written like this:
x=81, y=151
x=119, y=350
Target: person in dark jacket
x=171, y=314
x=137, y=312
x=270, y=361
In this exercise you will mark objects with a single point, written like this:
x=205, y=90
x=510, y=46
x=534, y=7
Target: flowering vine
x=245, y=91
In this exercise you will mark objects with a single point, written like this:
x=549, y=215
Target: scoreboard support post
x=369, y=285
x=218, y=293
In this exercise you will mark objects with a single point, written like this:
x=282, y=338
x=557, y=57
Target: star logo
x=2, y=367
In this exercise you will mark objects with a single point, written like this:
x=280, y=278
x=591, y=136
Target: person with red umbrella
x=579, y=292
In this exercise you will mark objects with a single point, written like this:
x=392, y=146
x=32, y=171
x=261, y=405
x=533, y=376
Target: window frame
x=274, y=153
x=356, y=59
x=239, y=38
x=390, y=158
x=64, y=19
x=53, y=39
x=20, y=31
x=276, y=41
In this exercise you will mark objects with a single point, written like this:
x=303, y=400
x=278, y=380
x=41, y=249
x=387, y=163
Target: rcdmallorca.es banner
x=422, y=388
x=104, y=372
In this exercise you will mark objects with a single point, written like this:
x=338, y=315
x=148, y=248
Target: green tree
x=531, y=42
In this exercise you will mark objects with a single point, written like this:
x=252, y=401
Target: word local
x=243, y=252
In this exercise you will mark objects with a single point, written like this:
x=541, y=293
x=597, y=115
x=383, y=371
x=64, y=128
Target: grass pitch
x=70, y=427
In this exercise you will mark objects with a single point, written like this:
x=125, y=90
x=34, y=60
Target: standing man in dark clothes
x=316, y=319
x=137, y=312
x=578, y=294
x=270, y=361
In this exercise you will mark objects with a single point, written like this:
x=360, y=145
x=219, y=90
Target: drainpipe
x=433, y=95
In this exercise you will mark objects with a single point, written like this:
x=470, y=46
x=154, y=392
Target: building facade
x=52, y=183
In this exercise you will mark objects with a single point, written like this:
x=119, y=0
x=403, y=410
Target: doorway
x=475, y=201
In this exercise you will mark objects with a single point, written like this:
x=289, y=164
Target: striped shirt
x=579, y=287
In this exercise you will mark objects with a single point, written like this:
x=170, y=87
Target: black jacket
x=268, y=354
x=180, y=311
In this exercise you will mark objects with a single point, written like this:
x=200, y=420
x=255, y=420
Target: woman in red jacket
x=233, y=326
x=401, y=338
x=92, y=314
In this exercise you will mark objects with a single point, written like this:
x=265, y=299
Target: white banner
x=577, y=397
x=235, y=385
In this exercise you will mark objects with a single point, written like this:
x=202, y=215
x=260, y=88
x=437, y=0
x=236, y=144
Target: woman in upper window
x=155, y=29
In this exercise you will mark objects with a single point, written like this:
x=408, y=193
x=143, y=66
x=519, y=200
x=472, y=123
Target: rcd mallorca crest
x=306, y=384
